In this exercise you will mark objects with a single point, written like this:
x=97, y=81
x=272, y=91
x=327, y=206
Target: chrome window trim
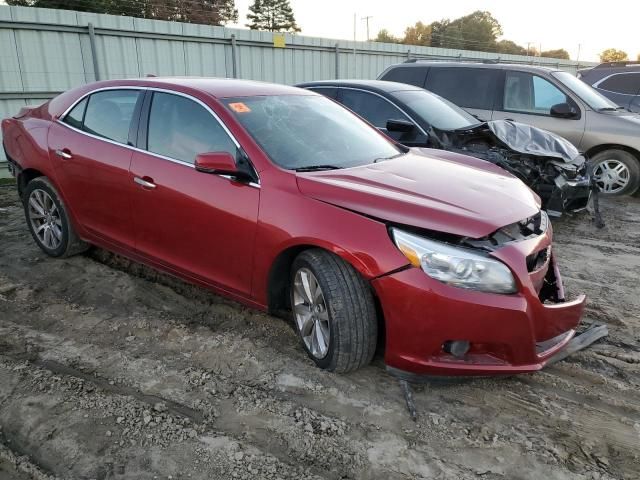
x=377, y=95
x=597, y=84
x=61, y=121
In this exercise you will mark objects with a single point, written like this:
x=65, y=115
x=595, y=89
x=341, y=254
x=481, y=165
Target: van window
x=410, y=75
x=528, y=93
x=627, y=83
x=466, y=87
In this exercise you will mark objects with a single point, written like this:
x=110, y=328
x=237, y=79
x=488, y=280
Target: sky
x=553, y=24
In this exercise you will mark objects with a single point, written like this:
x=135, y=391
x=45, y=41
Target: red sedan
x=287, y=202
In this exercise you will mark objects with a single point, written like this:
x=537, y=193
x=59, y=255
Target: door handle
x=144, y=183
x=64, y=153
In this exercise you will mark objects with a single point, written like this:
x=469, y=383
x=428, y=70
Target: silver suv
x=554, y=100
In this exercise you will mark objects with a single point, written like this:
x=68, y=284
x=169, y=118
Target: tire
x=349, y=311
x=62, y=240
x=617, y=172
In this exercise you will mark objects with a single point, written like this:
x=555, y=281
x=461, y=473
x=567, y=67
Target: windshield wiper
x=315, y=168
x=607, y=109
x=389, y=158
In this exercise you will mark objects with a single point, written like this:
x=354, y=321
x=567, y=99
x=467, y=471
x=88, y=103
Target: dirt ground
x=109, y=370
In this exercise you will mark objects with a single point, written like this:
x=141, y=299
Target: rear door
x=90, y=152
x=201, y=225
x=528, y=98
x=473, y=89
x=377, y=110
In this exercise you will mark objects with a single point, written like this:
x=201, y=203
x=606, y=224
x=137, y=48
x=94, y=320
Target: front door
x=91, y=159
x=200, y=224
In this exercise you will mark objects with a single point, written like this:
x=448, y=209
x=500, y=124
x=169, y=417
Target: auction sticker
x=239, y=107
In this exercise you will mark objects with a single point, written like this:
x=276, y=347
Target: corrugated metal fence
x=44, y=52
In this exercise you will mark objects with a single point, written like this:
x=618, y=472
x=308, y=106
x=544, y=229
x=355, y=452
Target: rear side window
x=109, y=114
x=180, y=128
x=627, y=83
x=374, y=109
x=76, y=115
x=466, y=87
x=410, y=75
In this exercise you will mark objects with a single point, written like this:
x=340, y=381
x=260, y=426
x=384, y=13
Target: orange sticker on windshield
x=239, y=107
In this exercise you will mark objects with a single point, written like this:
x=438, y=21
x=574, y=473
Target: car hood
x=432, y=189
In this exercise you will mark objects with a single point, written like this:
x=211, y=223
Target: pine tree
x=272, y=15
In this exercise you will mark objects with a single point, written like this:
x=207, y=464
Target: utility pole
x=366, y=19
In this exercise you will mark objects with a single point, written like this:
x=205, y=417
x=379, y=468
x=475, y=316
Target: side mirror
x=221, y=163
x=400, y=126
x=563, y=110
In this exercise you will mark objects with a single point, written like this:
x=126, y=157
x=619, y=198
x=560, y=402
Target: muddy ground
x=111, y=371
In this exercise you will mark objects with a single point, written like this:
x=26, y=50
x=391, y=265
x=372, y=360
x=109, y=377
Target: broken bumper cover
x=507, y=334
x=568, y=196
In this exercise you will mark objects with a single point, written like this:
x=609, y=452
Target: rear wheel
x=616, y=172
x=48, y=220
x=333, y=310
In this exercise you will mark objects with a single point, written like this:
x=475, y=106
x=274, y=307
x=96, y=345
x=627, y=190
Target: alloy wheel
x=611, y=175
x=45, y=219
x=310, y=312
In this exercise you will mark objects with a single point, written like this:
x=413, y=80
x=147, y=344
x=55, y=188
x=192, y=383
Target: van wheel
x=333, y=311
x=48, y=220
x=616, y=172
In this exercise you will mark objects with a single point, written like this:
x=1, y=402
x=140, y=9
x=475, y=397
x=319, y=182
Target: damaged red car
x=287, y=202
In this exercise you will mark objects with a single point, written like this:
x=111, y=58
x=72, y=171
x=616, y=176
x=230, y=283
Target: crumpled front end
x=432, y=328
x=550, y=165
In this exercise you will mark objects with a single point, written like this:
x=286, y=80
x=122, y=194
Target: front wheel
x=49, y=221
x=616, y=172
x=333, y=311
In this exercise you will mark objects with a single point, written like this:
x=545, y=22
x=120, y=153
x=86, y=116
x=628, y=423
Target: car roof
x=216, y=87
x=492, y=66
x=379, y=86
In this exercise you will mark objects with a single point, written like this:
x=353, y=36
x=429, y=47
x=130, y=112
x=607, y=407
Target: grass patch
x=7, y=181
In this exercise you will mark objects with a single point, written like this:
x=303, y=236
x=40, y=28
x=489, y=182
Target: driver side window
x=527, y=93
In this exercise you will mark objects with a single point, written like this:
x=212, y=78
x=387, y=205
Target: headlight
x=455, y=266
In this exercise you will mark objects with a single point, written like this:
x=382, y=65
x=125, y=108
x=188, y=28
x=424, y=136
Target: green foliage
x=476, y=31
x=385, y=37
x=208, y=12
x=509, y=47
x=272, y=15
x=613, y=55
x=558, y=53
x=419, y=34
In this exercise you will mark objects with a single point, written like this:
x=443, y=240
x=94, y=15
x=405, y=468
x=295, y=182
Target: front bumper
x=507, y=333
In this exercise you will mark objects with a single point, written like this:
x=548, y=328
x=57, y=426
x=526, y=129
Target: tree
x=208, y=12
x=613, y=55
x=476, y=31
x=272, y=15
x=558, y=53
x=509, y=47
x=385, y=37
x=419, y=34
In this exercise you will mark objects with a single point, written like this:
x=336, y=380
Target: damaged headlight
x=455, y=266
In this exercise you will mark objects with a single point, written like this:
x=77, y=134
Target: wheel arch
x=278, y=279
x=612, y=146
x=26, y=176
